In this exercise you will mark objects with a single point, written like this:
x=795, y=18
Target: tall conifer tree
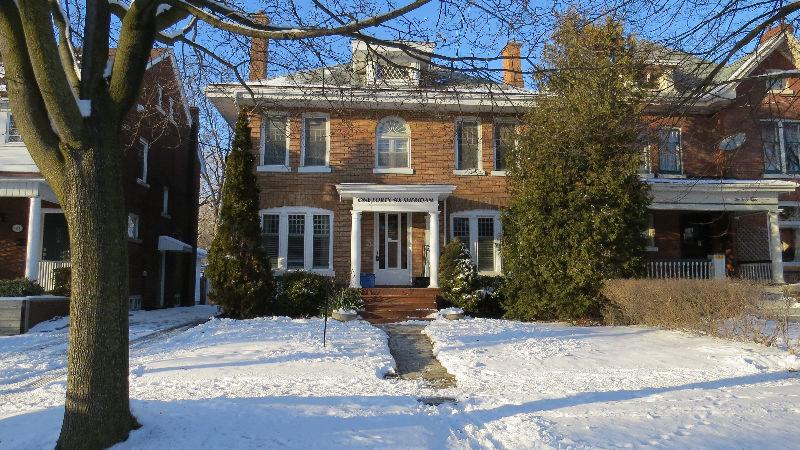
x=241, y=279
x=578, y=208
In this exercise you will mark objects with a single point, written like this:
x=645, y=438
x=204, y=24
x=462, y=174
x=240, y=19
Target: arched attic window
x=393, y=143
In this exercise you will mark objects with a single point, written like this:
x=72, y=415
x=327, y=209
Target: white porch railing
x=759, y=271
x=680, y=268
x=47, y=269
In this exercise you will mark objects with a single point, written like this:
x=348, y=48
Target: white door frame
x=393, y=277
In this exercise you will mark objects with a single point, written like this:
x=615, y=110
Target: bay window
x=781, y=145
x=298, y=238
x=479, y=231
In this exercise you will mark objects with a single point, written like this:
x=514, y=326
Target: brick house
x=161, y=192
x=370, y=167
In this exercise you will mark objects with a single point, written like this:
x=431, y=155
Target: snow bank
x=616, y=386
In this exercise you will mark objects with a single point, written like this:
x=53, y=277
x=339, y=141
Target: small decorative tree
x=241, y=279
x=458, y=277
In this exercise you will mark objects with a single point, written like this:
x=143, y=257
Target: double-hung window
x=669, y=151
x=11, y=131
x=781, y=144
x=505, y=139
x=316, y=142
x=142, y=150
x=298, y=238
x=393, y=142
x=479, y=231
x=275, y=141
x=468, y=145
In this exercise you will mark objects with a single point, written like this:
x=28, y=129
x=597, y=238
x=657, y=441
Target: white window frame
x=140, y=180
x=283, y=214
x=315, y=169
x=160, y=99
x=680, y=173
x=783, y=79
x=136, y=220
x=165, y=203
x=263, y=142
x=782, y=142
x=472, y=247
x=398, y=170
x=467, y=172
x=495, y=123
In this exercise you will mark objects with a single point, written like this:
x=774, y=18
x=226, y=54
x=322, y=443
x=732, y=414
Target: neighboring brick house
x=161, y=191
x=370, y=167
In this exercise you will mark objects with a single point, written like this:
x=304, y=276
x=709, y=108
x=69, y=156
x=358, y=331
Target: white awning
x=168, y=244
x=395, y=197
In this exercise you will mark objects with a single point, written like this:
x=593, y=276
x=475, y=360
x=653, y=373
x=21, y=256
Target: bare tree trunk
x=97, y=411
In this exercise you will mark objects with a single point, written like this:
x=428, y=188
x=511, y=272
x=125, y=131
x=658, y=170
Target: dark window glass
x=270, y=238
x=486, y=244
x=295, y=253
x=504, y=141
x=669, y=151
x=316, y=141
x=274, y=141
x=322, y=241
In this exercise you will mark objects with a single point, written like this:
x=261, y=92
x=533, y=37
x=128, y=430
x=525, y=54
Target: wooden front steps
x=388, y=305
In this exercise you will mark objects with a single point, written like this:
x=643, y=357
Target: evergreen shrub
x=63, y=279
x=19, y=287
x=302, y=294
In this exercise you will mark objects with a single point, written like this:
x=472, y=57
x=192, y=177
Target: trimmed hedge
x=301, y=294
x=19, y=287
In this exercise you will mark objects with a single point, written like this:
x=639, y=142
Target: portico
x=392, y=207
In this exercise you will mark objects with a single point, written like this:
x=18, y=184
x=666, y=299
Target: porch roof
x=703, y=194
x=27, y=187
x=395, y=197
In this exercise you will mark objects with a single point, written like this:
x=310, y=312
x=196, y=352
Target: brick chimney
x=258, y=51
x=512, y=65
x=777, y=29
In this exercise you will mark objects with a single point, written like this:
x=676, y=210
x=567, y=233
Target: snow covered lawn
x=269, y=383
x=534, y=384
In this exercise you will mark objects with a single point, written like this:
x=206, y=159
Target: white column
x=433, y=226
x=775, y=247
x=355, y=250
x=33, y=251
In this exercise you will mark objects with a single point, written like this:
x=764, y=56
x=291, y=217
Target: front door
x=392, y=250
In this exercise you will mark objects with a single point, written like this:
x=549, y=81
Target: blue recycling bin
x=367, y=280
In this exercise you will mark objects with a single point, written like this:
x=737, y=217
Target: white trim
x=314, y=169
x=273, y=168
x=283, y=213
x=315, y=115
x=408, y=146
x=472, y=216
x=263, y=141
x=396, y=170
x=673, y=176
x=468, y=172
x=458, y=121
x=409, y=251
x=498, y=173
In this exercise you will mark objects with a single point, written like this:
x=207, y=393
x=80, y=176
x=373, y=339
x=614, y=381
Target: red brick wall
x=352, y=158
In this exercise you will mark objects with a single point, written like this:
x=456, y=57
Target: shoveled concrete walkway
x=413, y=354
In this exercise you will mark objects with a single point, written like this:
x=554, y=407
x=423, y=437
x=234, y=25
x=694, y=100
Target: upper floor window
x=479, y=231
x=781, y=143
x=142, y=150
x=160, y=99
x=275, y=141
x=468, y=144
x=669, y=150
x=316, y=140
x=297, y=238
x=12, y=132
x=778, y=82
x=393, y=142
x=133, y=226
x=505, y=139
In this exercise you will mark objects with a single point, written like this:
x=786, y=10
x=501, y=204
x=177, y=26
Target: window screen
x=295, y=253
